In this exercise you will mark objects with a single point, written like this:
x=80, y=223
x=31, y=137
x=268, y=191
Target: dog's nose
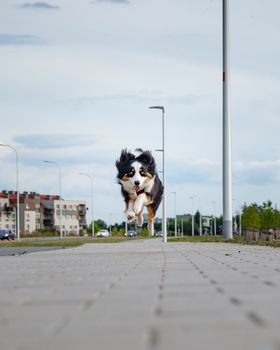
x=136, y=183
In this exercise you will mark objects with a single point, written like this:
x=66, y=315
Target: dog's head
x=135, y=171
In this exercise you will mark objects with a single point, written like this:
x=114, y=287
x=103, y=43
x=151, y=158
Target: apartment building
x=73, y=218
x=42, y=212
x=7, y=214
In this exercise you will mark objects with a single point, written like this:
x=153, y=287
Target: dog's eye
x=142, y=172
x=130, y=173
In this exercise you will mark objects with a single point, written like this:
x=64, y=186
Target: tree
x=250, y=217
x=98, y=225
x=268, y=216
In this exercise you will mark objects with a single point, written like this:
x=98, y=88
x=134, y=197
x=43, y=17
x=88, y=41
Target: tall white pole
x=60, y=199
x=164, y=182
x=60, y=203
x=17, y=185
x=164, y=225
x=227, y=172
x=91, y=194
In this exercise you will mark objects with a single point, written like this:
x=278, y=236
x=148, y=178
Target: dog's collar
x=138, y=193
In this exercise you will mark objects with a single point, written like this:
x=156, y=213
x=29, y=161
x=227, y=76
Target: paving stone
x=143, y=295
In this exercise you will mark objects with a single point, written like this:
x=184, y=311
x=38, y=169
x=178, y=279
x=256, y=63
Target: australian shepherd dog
x=140, y=185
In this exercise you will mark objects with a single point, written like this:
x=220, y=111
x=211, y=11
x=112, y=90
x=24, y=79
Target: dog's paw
x=130, y=215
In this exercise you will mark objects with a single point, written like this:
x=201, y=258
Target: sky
x=77, y=78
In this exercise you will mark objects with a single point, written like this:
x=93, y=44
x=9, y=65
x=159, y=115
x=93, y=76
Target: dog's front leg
x=130, y=210
x=139, y=204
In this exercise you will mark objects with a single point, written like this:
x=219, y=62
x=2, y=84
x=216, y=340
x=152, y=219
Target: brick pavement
x=142, y=295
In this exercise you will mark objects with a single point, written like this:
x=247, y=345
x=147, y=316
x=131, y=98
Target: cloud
x=198, y=171
x=12, y=39
x=54, y=141
x=257, y=173
x=187, y=99
x=113, y=1
x=39, y=5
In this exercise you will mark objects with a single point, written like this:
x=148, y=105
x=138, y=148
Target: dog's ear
x=124, y=158
x=147, y=158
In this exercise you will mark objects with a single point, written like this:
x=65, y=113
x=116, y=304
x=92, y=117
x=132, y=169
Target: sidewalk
x=142, y=295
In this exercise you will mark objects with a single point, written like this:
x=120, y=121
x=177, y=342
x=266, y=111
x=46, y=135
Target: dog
x=140, y=185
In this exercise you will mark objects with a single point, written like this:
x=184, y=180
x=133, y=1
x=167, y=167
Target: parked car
x=159, y=234
x=130, y=233
x=6, y=234
x=103, y=233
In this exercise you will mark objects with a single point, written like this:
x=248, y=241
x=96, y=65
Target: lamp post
x=60, y=201
x=91, y=194
x=227, y=172
x=192, y=217
x=17, y=185
x=164, y=228
x=175, y=209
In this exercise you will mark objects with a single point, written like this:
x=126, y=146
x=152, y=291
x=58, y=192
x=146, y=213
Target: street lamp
x=175, y=223
x=60, y=203
x=91, y=192
x=227, y=172
x=192, y=217
x=164, y=228
x=17, y=181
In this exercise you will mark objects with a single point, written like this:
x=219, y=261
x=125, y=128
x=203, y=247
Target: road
x=23, y=250
x=142, y=295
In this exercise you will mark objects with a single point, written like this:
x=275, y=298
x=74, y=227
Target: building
x=73, y=215
x=41, y=212
x=207, y=222
x=7, y=213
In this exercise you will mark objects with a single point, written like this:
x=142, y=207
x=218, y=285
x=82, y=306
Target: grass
x=75, y=242
x=215, y=239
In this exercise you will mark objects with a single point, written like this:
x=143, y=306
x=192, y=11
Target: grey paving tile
x=141, y=295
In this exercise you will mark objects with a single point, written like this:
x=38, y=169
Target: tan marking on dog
x=151, y=213
x=125, y=178
x=150, y=176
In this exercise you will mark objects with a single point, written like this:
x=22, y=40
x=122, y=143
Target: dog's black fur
x=148, y=194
